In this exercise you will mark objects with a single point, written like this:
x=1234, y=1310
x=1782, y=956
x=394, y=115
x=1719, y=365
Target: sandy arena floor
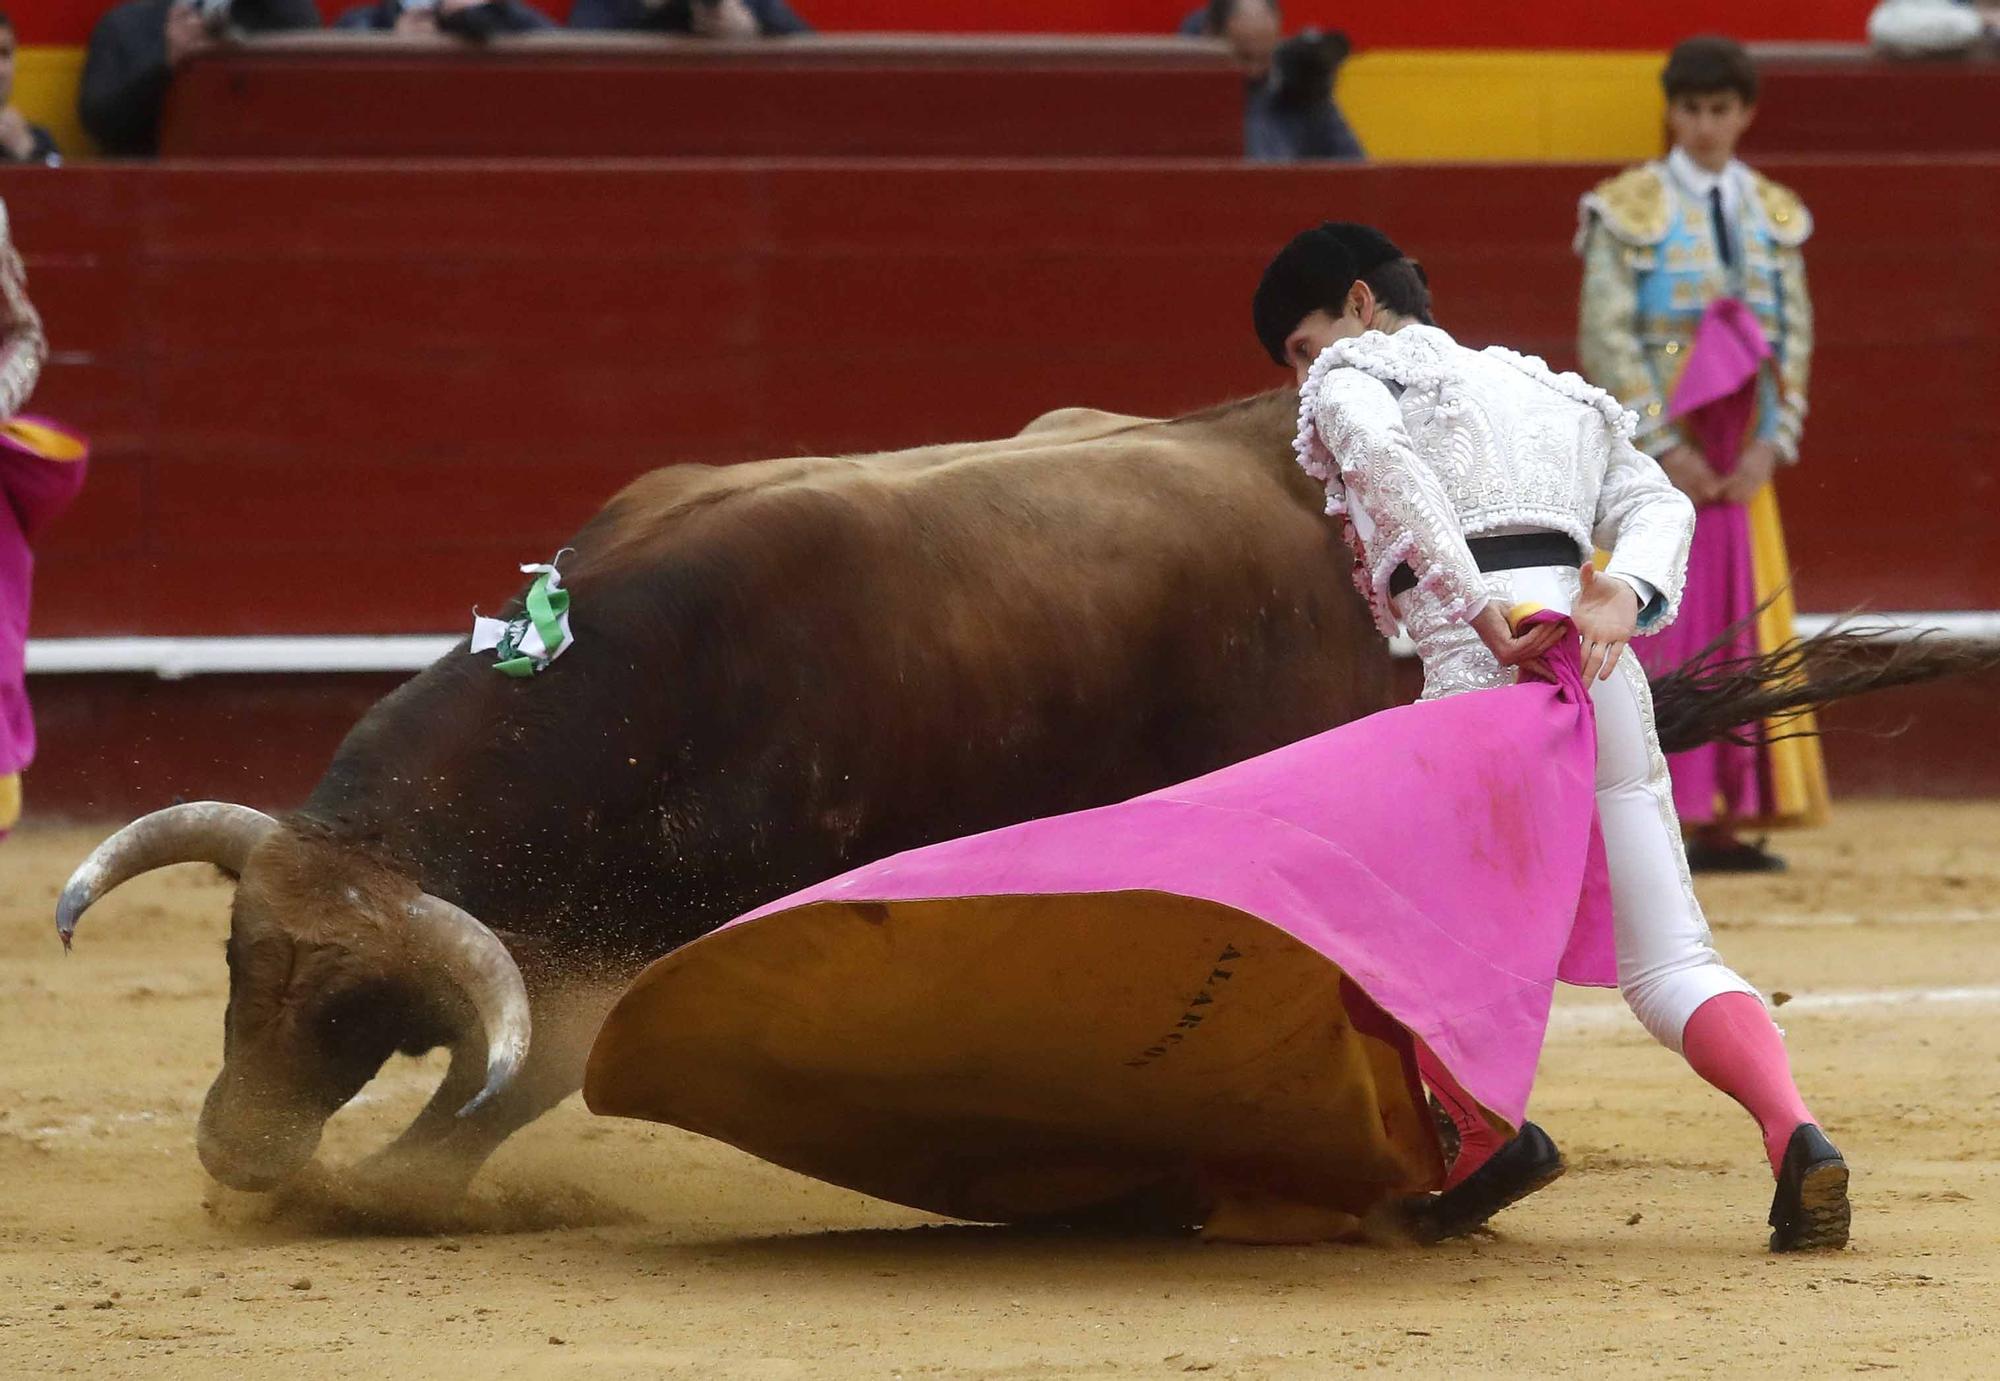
x=616, y=1249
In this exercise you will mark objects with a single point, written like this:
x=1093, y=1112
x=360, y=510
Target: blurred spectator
x=473, y=19
x=702, y=18
x=20, y=142
x=1925, y=28
x=136, y=47
x=1288, y=108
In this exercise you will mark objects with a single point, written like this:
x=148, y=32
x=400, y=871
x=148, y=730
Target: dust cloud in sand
x=619, y=1249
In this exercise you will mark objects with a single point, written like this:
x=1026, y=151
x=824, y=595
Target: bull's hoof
x=414, y=1177
x=1810, y=1211
x=1529, y=1162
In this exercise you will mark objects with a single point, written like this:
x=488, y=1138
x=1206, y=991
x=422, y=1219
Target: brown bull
x=780, y=670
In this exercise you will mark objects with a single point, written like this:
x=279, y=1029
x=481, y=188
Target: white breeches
x=1667, y=966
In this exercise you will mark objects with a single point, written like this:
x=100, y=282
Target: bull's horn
x=473, y=958
x=197, y=832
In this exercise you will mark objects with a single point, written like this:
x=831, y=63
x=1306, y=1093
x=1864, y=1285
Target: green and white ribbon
x=527, y=644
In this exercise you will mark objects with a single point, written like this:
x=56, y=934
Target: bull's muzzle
x=253, y=1144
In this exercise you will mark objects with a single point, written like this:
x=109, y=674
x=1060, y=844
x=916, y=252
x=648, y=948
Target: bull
x=781, y=669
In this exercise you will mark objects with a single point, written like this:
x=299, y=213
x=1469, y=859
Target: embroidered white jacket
x=1433, y=443
x=22, y=345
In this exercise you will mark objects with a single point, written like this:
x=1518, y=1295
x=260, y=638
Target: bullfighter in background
x=1695, y=315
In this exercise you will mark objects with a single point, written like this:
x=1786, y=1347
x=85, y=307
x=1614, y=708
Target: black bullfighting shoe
x=1528, y=1162
x=1735, y=856
x=1810, y=1211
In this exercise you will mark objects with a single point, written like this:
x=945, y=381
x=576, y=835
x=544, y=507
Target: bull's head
x=335, y=963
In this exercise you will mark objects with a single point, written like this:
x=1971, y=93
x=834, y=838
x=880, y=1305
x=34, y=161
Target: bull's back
x=785, y=668
x=1048, y=622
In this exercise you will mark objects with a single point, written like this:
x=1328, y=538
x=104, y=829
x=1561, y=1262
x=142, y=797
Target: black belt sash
x=1514, y=551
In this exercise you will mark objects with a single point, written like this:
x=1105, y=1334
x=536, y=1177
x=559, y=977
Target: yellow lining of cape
x=1799, y=793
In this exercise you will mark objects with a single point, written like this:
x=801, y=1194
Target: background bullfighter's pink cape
x=1208, y=988
x=33, y=491
x=1715, y=400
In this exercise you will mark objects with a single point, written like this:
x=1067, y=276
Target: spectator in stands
x=135, y=49
x=1288, y=108
x=701, y=18
x=472, y=19
x=20, y=142
x=1925, y=28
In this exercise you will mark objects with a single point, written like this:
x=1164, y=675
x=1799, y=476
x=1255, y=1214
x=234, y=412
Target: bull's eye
x=358, y=1024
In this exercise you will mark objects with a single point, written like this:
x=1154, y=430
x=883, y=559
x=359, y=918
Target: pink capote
x=1443, y=856
x=1714, y=401
x=32, y=492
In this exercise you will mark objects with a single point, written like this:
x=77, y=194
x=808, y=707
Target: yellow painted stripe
x=45, y=86
x=1505, y=107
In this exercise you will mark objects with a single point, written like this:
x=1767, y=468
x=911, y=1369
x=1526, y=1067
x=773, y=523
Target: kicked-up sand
x=612, y=1249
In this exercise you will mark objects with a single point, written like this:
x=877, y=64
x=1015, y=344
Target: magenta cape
x=32, y=492
x=1215, y=987
x=1715, y=400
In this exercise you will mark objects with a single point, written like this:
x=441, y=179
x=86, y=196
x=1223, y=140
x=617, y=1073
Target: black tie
x=1723, y=248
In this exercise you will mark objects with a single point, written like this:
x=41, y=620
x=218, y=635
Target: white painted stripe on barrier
x=174, y=658
x=1572, y=1021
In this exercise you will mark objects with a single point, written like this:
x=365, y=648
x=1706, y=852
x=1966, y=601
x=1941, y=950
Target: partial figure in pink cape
x=41, y=468
x=1167, y=997
x=1715, y=402
x=33, y=490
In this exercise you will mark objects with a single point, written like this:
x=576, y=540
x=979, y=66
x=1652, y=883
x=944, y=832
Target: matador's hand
x=1524, y=651
x=1689, y=469
x=1759, y=462
x=1606, y=616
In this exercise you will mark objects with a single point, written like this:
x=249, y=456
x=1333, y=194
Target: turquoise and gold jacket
x=1650, y=269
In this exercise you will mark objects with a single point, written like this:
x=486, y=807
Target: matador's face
x=1320, y=328
x=1709, y=125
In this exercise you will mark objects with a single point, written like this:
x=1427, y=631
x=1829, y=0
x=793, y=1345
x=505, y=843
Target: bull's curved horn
x=196, y=832
x=474, y=959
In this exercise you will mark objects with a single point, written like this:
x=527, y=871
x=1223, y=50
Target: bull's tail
x=1761, y=699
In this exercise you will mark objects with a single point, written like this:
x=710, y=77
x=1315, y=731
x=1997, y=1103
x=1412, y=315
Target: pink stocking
x=1732, y=1042
x=1477, y=1141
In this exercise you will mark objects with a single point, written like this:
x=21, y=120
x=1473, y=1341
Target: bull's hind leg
x=441, y=1151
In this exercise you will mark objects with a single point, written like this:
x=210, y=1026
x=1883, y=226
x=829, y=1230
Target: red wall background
x=299, y=375
x=350, y=398
x=1433, y=24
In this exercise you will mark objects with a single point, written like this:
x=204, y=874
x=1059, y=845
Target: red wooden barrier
x=1434, y=24
x=1857, y=105
x=587, y=96
x=117, y=746
x=296, y=374
x=591, y=96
